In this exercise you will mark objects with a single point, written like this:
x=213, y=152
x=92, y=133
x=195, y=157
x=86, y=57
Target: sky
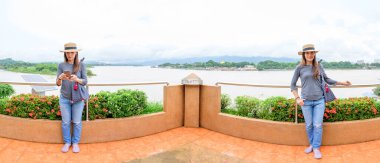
x=143, y=30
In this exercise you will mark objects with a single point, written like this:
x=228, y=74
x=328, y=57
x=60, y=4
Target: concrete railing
x=103, y=130
x=334, y=133
x=87, y=86
x=288, y=87
x=192, y=106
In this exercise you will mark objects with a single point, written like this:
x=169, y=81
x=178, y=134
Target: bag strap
x=320, y=72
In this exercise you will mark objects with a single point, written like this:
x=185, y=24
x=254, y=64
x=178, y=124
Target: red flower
x=49, y=103
x=22, y=98
x=8, y=110
x=374, y=110
x=96, y=105
x=326, y=116
x=52, y=110
x=105, y=110
x=30, y=114
x=59, y=113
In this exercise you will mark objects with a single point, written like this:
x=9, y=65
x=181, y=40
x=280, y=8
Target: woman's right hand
x=63, y=76
x=300, y=101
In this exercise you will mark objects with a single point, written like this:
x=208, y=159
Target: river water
x=127, y=74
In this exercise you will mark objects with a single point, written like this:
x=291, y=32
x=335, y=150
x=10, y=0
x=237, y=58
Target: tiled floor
x=184, y=145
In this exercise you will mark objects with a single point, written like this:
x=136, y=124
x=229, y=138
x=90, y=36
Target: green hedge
x=376, y=91
x=6, y=90
x=282, y=109
x=123, y=103
x=226, y=101
x=3, y=103
x=247, y=106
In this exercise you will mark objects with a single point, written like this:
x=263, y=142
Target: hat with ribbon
x=308, y=47
x=70, y=47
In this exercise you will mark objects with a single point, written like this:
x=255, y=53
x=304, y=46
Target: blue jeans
x=313, y=111
x=71, y=112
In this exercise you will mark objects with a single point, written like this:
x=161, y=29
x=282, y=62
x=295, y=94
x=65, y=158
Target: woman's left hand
x=74, y=78
x=346, y=83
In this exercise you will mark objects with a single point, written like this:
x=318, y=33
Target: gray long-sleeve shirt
x=311, y=87
x=67, y=86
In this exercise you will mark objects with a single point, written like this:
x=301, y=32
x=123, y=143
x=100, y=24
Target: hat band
x=69, y=48
x=311, y=48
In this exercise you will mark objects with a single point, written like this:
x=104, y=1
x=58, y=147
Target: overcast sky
x=123, y=30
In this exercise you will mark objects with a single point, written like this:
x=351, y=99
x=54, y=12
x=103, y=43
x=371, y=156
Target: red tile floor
x=184, y=145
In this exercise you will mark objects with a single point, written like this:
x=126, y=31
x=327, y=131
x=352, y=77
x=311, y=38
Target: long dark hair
x=76, y=66
x=315, y=65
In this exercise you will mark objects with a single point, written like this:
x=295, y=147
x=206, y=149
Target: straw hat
x=307, y=48
x=70, y=47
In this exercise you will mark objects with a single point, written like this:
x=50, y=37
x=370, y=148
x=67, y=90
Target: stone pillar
x=192, y=96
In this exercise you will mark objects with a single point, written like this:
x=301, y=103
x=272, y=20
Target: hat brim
x=300, y=52
x=73, y=50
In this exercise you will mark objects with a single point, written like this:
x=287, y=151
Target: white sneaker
x=317, y=154
x=76, y=148
x=66, y=148
x=309, y=149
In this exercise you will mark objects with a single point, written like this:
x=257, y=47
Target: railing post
x=192, y=84
x=87, y=103
x=296, y=120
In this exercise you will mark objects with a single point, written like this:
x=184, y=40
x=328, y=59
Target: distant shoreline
x=203, y=69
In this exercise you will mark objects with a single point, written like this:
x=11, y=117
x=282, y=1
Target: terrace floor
x=184, y=145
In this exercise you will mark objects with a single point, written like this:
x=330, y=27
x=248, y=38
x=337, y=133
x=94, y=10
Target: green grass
x=153, y=107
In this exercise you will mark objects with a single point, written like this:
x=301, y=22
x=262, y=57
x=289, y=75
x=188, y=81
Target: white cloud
x=120, y=29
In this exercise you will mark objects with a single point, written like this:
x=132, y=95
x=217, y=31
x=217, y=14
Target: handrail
x=87, y=86
x=288, y=86
x=90, y=84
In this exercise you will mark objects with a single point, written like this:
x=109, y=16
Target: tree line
x=35, y=68
x=268, y=65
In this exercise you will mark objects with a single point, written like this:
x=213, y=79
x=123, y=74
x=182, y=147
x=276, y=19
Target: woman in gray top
x=312, y=100
x=72, y=78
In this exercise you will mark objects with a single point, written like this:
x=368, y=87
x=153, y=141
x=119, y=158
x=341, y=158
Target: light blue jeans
x=71, y=112
x=313, y=111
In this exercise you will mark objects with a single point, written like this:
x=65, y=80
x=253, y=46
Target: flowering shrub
x=33, y=106
x=98, y=106
x=351, y=109
x=282, y=109
x=123, y=103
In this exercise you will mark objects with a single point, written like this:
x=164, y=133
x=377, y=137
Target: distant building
x=360, y=62
x=38, y=90
x=249, y=68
